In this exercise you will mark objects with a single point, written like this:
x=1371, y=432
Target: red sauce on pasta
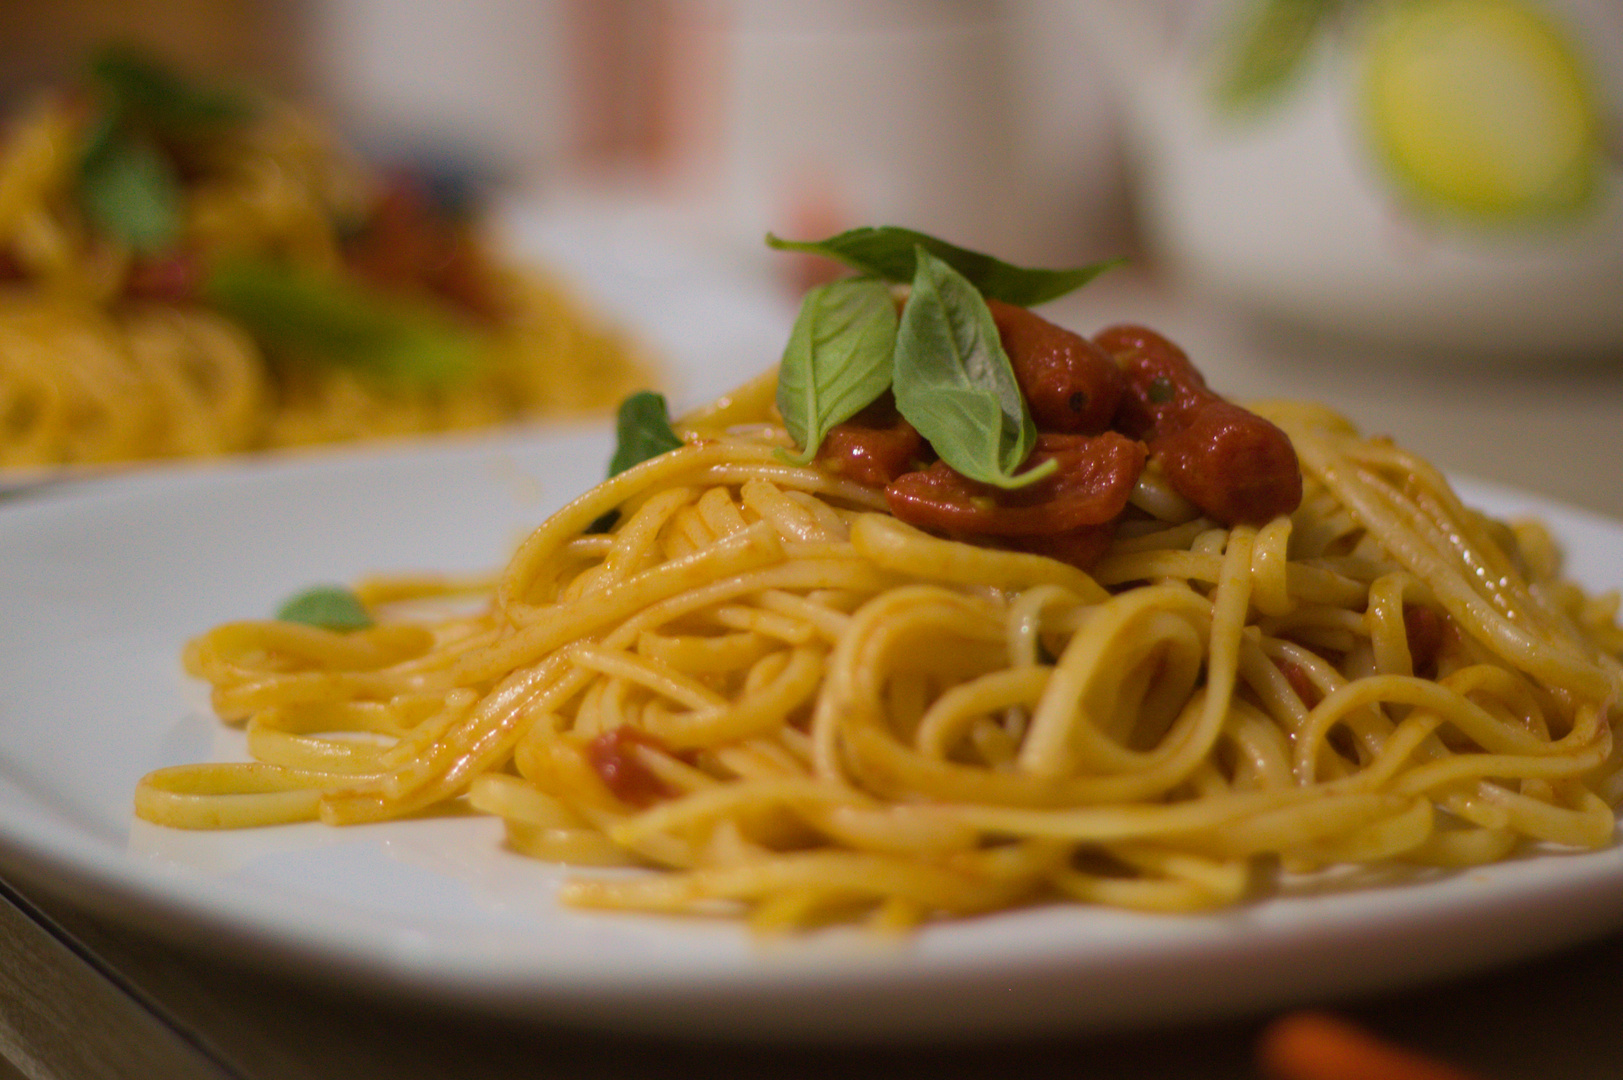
x=1103, y=409
x=613, y=757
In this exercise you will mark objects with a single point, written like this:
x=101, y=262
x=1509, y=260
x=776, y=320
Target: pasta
x=755, y=678
x=122, y=338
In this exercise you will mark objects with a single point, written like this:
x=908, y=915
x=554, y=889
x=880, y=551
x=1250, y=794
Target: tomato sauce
x=613, y=757
x=1236, y=466
x=1103, y=409
x=873, y=447
x=1094, y=477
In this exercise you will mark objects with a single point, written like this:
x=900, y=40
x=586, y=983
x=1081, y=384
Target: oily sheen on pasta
x=767, y=695
x=219, y=275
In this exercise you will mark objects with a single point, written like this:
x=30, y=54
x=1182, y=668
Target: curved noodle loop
x=799, y=707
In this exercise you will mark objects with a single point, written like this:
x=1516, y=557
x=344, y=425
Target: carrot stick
x=1315, y=1046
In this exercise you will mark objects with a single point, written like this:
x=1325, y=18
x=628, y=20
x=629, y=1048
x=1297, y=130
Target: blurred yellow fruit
x=1482, y=108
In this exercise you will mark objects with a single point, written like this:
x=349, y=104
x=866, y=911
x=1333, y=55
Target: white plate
x=100, y=585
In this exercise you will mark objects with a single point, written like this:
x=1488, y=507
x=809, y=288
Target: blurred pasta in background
x=189, y=270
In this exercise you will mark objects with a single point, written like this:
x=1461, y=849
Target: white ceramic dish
x=102, y=582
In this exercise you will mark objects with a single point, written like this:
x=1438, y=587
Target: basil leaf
x=888, y=251
x=1267, y=47
x=954, y=383
x=330, y=607
x=303, y=314
x=643, y=430
x=838, y=359
x=130, y=191
x=127, y=184
x=147, y=91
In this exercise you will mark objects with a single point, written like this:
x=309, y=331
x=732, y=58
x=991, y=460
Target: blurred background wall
x=983, y=118
x=1235, y=145
x=43, y=42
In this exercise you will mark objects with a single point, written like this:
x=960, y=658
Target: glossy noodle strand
x=796, y=708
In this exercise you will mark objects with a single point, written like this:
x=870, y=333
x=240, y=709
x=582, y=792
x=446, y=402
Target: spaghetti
x=184, y=273
x=800, y=708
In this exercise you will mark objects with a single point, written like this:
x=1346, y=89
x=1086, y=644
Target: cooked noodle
x=93, y=369
x=800, y=709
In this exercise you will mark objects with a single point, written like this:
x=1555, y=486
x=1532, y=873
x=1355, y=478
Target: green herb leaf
x=301, y=314
x=128, y=185
x=330, y=607
x=1268, y=47
x=889, y=251
x=838, y=359
x=643, y=430
x=149, y=92
x=954, y=383
x=129, y=190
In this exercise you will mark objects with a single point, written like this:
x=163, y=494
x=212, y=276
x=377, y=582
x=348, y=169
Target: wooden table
x=85, y=997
